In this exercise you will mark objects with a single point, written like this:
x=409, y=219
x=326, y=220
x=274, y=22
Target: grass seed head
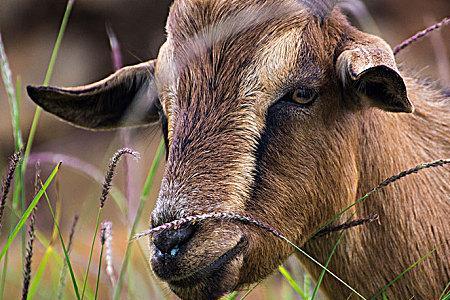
x=6, y=184
x=111, y=171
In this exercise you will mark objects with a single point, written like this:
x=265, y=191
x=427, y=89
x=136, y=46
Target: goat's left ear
x=126, y=98
x=369, y=69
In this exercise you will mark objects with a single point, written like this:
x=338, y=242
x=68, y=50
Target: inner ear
x=384, y=88
x=367, y=68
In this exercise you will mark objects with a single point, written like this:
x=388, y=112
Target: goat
x=283, y=111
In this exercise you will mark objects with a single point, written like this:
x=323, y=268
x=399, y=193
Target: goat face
x=257, y=100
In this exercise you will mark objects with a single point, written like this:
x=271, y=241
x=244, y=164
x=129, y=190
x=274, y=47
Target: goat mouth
x=212, y=269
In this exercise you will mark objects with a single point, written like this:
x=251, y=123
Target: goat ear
x=369, y=69
x=126, y=98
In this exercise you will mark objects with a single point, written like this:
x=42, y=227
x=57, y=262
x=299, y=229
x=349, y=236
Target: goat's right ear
x=368, y=69
x=126, y=98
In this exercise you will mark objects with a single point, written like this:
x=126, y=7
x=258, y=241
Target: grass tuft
x=12, y=96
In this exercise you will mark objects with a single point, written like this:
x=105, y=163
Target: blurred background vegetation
x=29, y=29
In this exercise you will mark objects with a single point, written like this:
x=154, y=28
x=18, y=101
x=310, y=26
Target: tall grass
x=14, y=98
x=18, y=207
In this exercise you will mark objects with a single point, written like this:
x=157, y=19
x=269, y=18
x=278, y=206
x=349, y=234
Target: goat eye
x=303, y=96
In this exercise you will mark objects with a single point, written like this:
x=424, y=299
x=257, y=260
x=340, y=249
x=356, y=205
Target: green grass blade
x=323, y=267
x=89, y=292
x=144, y=195
x=35, y=282
x=232, y=296
x=48, y=76
x=17, y=130
x=13, y=95
x=4, y=272
x=307, y=285
x=408, y=269
x=19, y=190
x=380, y=186
x=99, y=272
x=66, y=254
x=83, y=168
x=322, y=274
x=292, y=282
x=442, y=296
x=91, y=251
x=27, y=213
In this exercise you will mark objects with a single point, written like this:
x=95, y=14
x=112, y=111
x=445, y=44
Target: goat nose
x=168, y=241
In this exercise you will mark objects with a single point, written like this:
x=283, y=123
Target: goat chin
x=219, y=282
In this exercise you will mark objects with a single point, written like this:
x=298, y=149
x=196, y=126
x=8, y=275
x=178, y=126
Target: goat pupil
x=303, y=96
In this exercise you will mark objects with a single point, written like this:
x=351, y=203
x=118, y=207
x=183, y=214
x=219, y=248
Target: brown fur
x=234, y=147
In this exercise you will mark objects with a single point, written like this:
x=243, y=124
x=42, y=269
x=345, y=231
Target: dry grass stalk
x=347, y=225
x=421, y=34
x=72, y=232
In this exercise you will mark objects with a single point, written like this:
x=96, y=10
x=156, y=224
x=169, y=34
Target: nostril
x=168, y=241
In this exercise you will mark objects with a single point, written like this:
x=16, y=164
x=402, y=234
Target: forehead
x=241, y=33
x=248, y=44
